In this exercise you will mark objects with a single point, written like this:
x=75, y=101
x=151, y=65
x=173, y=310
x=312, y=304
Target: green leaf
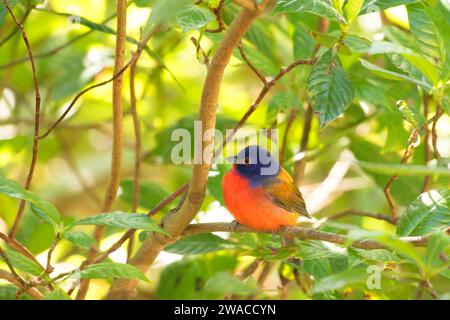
x=186, y=279
x=391, y=75
x=321, y=8
x=340, y=280
x=57, y=294
x=370, y=6
x=23, y=263
x=428, y=212
x=391, y=242
x=111, y=270
x=150, y=194
x=402, y=169
x=405, y=189
x=43, y=209
x=200, y=243
x=313, y=250
x=437, y=243
x=425, y=33
x=164, y=11
x=351, y=9
x=375, y=255
x=329, y=87
x=80, y=239
x=194, y=17
x=415, y=65
x=223, y=283
x=259, y=60
x=9, y=292
x=303, y=42
x=281, y=102
x=121, y=220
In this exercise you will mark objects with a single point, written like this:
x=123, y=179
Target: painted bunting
x=261, y=194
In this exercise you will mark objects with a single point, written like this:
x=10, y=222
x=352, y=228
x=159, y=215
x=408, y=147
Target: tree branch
x=354, y=212
x=36, y=119
x=33, y=292
x=250, y=64
x=434, y=136
x=218, y=13
x=299, y=169
x=407, y=154
x=298, y=232
x=175, y=222
x=426, y=140
x=116, y=154
x=137, y=149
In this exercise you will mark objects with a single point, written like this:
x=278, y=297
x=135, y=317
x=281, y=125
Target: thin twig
x=354, y=212
x=265, y=272
x=426, y=141
x=218, y=13
x=299, y=169
x=175, y=222
x=137, y=150
x=116, y=153
x=406, y=155
x=250, y=269
x=250, y=64
x=13, y=32
x=289, y=123
x=434, y=136
x=298, y=232
x=49, y=269
x=33, y=292
x=88, y=190
x=262, y=94
x=36, y=119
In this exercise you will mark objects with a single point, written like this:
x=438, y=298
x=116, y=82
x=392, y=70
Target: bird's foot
x=234, y=225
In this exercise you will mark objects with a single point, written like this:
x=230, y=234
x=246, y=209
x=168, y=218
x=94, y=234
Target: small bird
x=261, y=194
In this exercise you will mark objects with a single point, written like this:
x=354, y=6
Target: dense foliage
x=363, y=114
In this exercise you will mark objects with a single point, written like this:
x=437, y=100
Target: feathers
x=262, y=199
x=284, y=193
x=251, y=206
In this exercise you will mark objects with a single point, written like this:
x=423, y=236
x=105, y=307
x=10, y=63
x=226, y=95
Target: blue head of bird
x=256, y=164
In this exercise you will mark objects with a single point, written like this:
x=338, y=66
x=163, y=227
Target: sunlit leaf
x=391, y=75
x=111, y=270
x=403, y=169
x=164, y=11
x=80, y=239
x=370, y=6
x=201, y=243
x=150, y=194
x=352, y=8
x=223, y=283
x=425, y=33
x=194, y=17
x=321, y=8
x=186, y=279
x=329, y=87
x=43, y=209
x=340, y=280
x=429, y=211
x=57, y=294
x=121, y=220
x=23, y=263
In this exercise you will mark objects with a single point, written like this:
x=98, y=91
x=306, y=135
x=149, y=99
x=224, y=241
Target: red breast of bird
x=260, y=202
